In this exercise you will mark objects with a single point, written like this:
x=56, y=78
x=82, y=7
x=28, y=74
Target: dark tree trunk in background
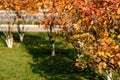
x=20, y=30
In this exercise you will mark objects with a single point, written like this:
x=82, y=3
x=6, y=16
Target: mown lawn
x=31, y=60
x=14, y=63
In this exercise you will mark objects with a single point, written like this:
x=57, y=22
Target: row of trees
x=91, y=26
x=16, y=7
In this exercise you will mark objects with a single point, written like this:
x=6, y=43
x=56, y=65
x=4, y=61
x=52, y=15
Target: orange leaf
x=118, y=55
x=112, y=61
x=104, y=65
x=118, y=63
x=100, y=67
x=118, y=11
x=79, y=22
x=92, y=22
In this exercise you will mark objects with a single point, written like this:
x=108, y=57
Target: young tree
x=8, y=32
x=51, y=18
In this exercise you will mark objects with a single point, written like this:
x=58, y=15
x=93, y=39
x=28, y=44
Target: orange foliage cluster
x=19, y=5
x=100, y=20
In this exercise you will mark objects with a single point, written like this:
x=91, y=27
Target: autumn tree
x=93, y=27
x=51, y=18
x=19, y=7
x=8, y=32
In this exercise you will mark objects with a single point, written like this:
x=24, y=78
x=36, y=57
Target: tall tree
x=93, y=27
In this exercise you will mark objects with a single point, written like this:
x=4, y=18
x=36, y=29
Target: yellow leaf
x=105, y=22
x=79, y=22
x=92, y=22
x=100, y=67
x=118, y=55
x=101, y=53
x=106, y=33
x=104, y=65
x=118, y=11
x=119, y=63
x=118, y=36
x=112, y=61
x=110, y=55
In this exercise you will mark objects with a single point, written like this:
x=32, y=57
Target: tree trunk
x=21, y=36
x=21, y=33
x=9, y=42
x=53, y=48
x=20, y=29
x=9, y=37
x=52, y=41
x=109, y=75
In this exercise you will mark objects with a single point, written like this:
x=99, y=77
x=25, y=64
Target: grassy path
x=14, y=65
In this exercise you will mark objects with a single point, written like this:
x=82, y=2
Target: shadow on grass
x=59, y=67
x=2, y=39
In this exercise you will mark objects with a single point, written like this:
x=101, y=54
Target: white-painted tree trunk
x=109, y=75
x=21, y=36
x=53, y=49
x=52, y=41
x=9, y=42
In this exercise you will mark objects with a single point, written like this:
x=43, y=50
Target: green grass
x=14, y=63
x=32, y=60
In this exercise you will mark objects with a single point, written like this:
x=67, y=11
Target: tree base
x=9, y=42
